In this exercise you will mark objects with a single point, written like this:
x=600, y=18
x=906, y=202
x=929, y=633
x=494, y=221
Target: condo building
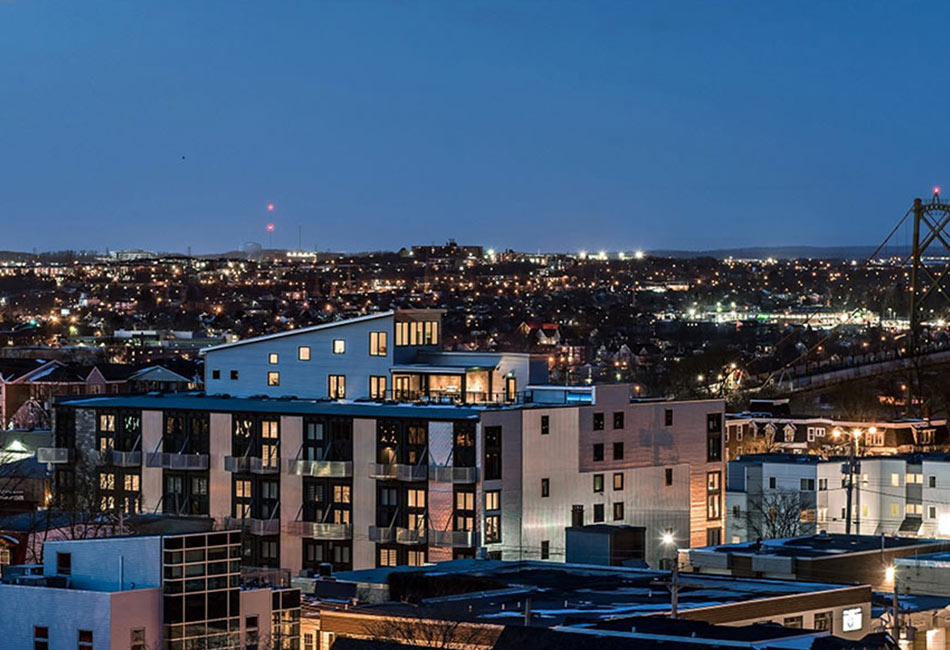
x=317, y=480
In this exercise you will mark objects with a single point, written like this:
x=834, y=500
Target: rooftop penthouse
x=393, y=355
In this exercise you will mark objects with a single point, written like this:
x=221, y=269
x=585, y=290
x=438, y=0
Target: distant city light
x=639, y=255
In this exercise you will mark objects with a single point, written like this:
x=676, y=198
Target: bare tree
x=431, y=632
x=776, y=514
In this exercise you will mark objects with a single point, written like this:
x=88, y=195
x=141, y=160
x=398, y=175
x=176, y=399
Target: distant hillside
x=786, y=252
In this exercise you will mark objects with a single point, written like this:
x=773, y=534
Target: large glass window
x=378, y=344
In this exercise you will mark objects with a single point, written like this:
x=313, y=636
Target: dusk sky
x=534, y=125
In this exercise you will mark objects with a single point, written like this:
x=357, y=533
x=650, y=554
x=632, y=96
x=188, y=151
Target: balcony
x=319, y=530
x=126, y=458
x=447, y=474
x=253, y=526
x=320, y=468
x=251, y=464
x=166, y=460
x=395, y=472
x=399, y=535
x=453, y=538
x=54, y=455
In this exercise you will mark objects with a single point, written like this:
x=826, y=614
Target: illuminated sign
x=852, y=619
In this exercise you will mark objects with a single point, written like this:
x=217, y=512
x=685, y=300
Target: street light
x=674, y=585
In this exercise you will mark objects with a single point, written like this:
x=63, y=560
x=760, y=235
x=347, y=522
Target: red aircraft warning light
x=270, y=207
x=270, y=227
x=936, y=189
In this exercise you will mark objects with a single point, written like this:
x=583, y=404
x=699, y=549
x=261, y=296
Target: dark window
x=713, y=447
x=669, y=475
x=599, y=451
x=577, y=515
x=492, y=453
x=598, y=482
x=545, y=425
x=713, y=536
x=234, y=374
x=85, y=640
x=714, y=423
x=64, y=563
x=618, y=510
x=618, y=451
x=772, y=482
x=808, y=484
x=933, y=481
x=545, y=487
x=618, y=420
x=40, y=638
x=216, y=374
x=598, y=421
x=823, y=620
x=668, y=417
x=598, y=512
x=545, y=550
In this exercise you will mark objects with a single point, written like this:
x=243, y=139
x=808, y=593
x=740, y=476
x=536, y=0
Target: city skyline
x=539, y=127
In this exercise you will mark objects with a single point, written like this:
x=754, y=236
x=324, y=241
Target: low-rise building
x=172, y=591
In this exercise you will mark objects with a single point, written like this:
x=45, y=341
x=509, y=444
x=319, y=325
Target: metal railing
x=321, y=530
x=320, y=468
x=251, y=464
x=54, y=455
x=398, y=534
x=126, y=458
x=397, y=472
x=254, y=526
x=448, y=474
x=167, y=460
x=453, y=538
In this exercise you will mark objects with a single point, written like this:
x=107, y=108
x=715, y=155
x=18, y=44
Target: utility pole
x=675, y=589
x=896, y=633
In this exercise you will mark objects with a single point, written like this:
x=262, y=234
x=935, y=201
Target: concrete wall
x=63, y=611
x=141, y=562
x=152, y=423
x=291, y=494
x=219, y=480
x=132, y=610
x=364, y=493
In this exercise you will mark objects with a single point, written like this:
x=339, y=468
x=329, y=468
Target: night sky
x=534, y=125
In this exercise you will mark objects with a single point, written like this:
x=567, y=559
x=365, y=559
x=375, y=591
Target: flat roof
x=273, y=405
x=566, y=594
x=813, y=546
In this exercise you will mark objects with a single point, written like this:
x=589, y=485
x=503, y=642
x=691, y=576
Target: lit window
x=272, y=358
x=336, y=388
x=378, y=344
x=618, y=481
x=303, y=353
x=339, y=346
x=273, y=378
x=492, y=500
x=377, y=387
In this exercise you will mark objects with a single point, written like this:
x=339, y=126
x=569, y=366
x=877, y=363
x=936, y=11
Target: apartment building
x=133, y=593
x=771, y=495
x=360, y=484
x=655, y=464
x=903, y=494
x=392, y=355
